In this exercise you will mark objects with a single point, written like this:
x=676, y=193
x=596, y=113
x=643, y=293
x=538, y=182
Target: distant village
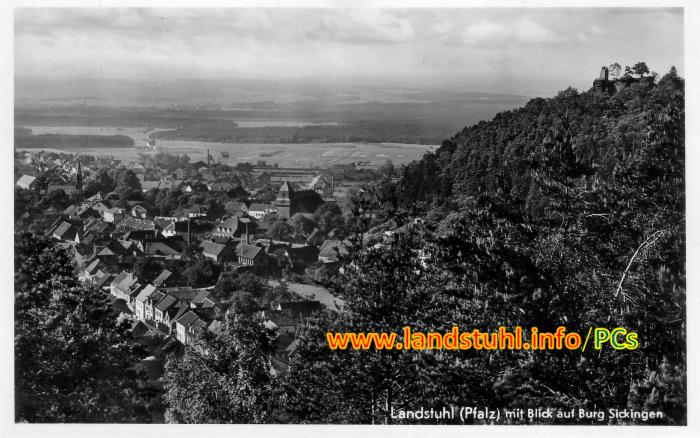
x=164, y=218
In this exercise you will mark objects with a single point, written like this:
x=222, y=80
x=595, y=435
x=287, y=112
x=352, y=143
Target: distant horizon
x=526, y=52
x=525, y=89
x=340, y=82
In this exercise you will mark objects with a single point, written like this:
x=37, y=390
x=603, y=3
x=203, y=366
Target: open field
x=281, y=123
x=285, y=154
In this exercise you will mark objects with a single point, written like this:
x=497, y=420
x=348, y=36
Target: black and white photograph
x=349, y=214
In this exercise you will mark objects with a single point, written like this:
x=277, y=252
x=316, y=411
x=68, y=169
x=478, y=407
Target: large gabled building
x=124, y=286
x=236, y=226
x=251, y=255
x=290, y=201
x=218, y=252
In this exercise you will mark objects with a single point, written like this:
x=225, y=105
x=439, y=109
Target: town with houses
x=350, y=216
x=144, y=233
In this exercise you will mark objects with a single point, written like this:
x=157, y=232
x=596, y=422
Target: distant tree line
x=371, y=132
x=58, y=141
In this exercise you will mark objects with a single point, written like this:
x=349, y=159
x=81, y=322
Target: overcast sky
x=493, y=49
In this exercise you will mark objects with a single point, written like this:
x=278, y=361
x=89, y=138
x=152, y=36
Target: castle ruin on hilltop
x=612, y=86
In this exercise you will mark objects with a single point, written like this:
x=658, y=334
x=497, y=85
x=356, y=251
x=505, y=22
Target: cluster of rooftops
x=171, y=309
x=169, y=304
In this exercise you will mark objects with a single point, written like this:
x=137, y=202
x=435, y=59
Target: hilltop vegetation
x=591, y=136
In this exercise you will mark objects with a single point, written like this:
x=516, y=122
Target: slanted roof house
x=170, y=279
x=140, y=301
x=26, y=182
x=124, y=286
x=235, y=226
x=217, y=251
x=66, y=231
x=188, y=327
x=331, y=251
x=250, y=255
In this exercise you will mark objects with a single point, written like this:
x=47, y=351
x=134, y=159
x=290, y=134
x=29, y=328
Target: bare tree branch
x=648, y=242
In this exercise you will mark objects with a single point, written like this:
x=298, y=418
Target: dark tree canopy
x=224, y=380
x=103, y=183
x=73, y=363
x=640, y=69
x=280, y=230
x=147, y=269
x=203, y=272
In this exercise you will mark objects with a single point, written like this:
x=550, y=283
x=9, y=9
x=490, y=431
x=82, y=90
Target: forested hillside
x=592, y=136
x=568, y=212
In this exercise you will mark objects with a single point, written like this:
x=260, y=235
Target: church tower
x=283, y=203
x=79, y=179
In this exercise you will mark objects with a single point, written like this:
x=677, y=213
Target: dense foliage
x=223, y=379
x=72, y=362
x=569, y=212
